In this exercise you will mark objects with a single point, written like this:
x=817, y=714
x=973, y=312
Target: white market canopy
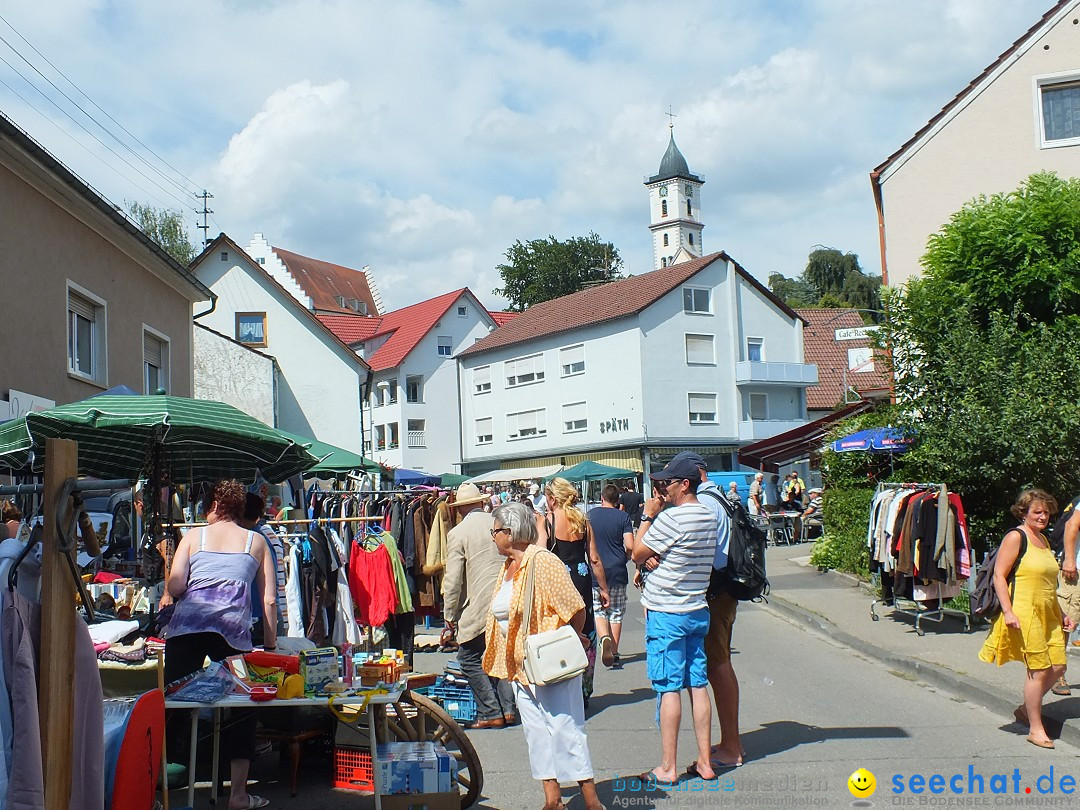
x=519, y=474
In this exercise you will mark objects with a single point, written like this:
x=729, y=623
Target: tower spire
x=671, y=119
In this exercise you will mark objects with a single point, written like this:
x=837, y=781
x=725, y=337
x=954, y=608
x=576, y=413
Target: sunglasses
x=497, y=532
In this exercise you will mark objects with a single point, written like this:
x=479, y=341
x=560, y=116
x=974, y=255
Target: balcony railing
x=799, y=374
x=752, y=431
x=416, y=438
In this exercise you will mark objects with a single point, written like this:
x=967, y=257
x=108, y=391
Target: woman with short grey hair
x=552, y=716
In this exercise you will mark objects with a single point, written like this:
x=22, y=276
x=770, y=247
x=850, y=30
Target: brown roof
x=222, y=239
x=325, y=282
x=830, y=356
x=974, y=84
x=606, y=302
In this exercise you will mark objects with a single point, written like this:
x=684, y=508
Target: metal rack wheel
x=416, y=718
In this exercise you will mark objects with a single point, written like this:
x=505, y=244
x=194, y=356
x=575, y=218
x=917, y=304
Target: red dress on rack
x=371, y=581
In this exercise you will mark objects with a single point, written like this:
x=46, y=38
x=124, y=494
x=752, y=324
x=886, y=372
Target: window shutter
x=81, y=307
x=152, y=350
x=574, y=412
x=699, y=349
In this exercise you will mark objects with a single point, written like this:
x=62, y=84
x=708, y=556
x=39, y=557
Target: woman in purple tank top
x=211, y=580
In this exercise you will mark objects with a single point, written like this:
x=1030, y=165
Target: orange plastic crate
x=352, y=769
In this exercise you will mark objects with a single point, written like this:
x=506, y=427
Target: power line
x=183, y=203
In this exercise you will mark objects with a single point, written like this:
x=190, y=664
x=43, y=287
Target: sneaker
x=607, y=650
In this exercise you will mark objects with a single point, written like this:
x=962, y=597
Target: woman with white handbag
x=534, y=639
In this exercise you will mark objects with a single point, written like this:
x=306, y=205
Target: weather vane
x=671, y=117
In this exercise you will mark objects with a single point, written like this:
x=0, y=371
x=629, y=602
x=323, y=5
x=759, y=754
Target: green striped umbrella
x=118, y=436
x=333, y=460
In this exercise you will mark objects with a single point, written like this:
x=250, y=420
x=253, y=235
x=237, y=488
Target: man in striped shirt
x=683, y=539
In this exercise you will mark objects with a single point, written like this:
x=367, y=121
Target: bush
x=846, y=513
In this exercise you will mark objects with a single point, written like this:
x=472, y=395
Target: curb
x=934, y=674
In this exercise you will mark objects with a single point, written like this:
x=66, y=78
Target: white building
x=320, y=381
x=698, y=354
x=412, y=414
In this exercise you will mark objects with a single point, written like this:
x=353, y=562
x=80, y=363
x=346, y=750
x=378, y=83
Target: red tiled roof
x=606, y=302
x=405, y=327
x=502, y=317
x=971, y=87
x=830, y=356
x=324, y=282
x=350, y=328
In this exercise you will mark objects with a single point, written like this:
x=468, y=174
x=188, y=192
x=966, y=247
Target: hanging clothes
x=371, y=580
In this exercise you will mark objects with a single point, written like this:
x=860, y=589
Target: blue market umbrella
x=414, y=477
x=874, y=440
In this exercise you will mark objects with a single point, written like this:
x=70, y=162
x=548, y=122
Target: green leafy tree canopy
x=543, y=269
x=166, y=228
x=831, y=279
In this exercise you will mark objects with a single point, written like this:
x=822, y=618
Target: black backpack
x=744, y=577
x=983, y=599
x=1057, y=534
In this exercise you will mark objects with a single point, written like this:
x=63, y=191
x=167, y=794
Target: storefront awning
x=520, y=474
x=783, y=448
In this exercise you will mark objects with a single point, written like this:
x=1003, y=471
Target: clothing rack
x=911, y=607
x=298, y=522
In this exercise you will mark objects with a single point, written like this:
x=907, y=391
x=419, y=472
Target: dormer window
x=340, y=299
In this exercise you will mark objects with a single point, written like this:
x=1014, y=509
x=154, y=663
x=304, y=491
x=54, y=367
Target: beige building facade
x=90, y=302
x=1020, y=116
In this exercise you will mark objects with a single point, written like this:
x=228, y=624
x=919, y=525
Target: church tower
x=675, y=216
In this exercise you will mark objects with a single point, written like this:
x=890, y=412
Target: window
x=261, y=260
x=416, y=433
x=414, y=389
x=759, y=407
x=380, y=437
x=86, y=336
x=484, y=430
x=525, y=424
x=691, y=237
x=689, y=211
x=462, y=312
x=574, y=418
x=155, y=362
x=392, y=436
x=572, y=360
x=524, y=370
x=224, y=255
x=387, y=392
x=251, y=328
x=696, y=300
x=446, y=346
x=699, y=350
x=663, y=261
x=665, y=240
x=663, y=208
x=481, y=378
x=1060, y=111
x=702, y=409
x=754, y=349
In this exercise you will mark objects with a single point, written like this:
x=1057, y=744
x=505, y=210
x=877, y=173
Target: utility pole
x=205, y=227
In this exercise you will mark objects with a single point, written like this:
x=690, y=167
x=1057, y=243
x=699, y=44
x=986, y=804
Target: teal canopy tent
x=594, y=471
x=333, y=461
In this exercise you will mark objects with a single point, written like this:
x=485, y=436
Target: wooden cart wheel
x=416, y=718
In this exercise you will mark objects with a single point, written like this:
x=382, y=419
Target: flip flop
x=255, y=802
x=647, y=775
x=692, y=772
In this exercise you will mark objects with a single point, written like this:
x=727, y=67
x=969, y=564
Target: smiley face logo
x=862, y=784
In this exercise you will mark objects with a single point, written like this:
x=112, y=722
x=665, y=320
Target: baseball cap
x=693, y=458
x=678, y=468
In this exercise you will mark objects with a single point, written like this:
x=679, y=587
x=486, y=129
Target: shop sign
x=855, y=333
x=614, y=425
x=20, y=404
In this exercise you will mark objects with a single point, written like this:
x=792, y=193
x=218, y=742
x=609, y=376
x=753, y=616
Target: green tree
x=166, y=228
x=830, y=279
x=792, y=291
x=543, y=269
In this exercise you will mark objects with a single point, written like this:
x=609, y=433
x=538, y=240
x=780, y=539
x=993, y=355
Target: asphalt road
x=813, y=713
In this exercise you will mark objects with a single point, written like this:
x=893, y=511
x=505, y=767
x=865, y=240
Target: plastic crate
x=458, y=701
x=352, y=769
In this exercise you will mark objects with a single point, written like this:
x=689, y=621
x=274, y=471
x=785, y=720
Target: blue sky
x=422, y=138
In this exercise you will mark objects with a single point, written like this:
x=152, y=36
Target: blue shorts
x=675, y=649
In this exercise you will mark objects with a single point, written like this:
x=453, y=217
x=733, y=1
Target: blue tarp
x=415, y=477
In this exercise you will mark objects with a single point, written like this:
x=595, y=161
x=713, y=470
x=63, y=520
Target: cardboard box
x=415, y=767
x=318, y=668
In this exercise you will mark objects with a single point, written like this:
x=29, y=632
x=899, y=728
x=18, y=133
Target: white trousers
x=553, y=718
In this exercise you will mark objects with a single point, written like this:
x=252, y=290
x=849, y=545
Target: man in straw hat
x=473, y=563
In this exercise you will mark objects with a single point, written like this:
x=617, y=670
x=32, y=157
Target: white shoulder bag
x=554, y=656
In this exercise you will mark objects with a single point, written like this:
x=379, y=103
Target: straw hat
x=468, y=494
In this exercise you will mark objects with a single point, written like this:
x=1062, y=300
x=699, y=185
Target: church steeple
x=675, y=216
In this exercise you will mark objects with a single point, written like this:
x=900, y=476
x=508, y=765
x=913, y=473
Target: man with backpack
x=1063, y=542
x=728, y=752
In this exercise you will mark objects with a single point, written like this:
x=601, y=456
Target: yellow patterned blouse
x=555, y=602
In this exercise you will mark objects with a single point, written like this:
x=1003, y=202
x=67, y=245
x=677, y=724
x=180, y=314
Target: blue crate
x=458, y=702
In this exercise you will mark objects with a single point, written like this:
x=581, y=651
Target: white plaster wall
x=232, y=374
x=989, y=147
x=318, y=383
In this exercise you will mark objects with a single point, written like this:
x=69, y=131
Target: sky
x=421, y=138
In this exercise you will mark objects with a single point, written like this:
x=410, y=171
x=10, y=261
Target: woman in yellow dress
x=1029, y=627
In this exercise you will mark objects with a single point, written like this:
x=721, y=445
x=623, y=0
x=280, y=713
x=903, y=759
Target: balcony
x=751, y=431
x=800, y=374
x=416, y=438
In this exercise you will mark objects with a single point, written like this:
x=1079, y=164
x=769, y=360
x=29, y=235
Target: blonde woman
x=564, y=530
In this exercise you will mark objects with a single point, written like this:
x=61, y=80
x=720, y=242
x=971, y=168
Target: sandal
x=1040, y=743
x=255, y=802
x=1061, y=687
x=692, y=772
